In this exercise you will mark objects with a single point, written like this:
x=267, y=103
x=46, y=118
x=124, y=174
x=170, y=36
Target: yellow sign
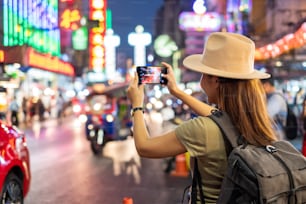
x=70, y=19
x=1, y=56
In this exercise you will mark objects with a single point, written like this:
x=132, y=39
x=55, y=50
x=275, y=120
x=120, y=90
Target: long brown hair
x=245, y=102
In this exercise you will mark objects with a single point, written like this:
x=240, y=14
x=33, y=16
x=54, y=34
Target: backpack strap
x=231, y=139
x=229, y=131
x=196, y=182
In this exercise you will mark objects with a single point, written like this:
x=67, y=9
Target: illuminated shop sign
x=70, y=19
x=80, y=39
x=111, y=42
x=190, y=21
x=52, y=64
x=97, y=11
x=28, y=57
x=33, y=23
x=139, y=39
x=1, y=56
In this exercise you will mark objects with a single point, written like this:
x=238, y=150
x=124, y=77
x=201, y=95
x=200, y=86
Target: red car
x=15, y=173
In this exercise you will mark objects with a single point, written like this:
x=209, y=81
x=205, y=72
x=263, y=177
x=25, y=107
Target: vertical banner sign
x=97, y=12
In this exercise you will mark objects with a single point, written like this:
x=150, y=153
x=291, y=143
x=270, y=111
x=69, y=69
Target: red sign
x=97, y=11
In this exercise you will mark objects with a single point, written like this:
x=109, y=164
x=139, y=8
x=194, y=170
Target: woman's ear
x=216, y=80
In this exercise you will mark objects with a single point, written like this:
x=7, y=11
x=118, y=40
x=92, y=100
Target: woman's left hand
x=135, y=92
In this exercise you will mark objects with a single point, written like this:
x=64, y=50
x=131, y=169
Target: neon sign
x=139, y=40
x=33, y=23
x=111, y=42
x=52, y=64
x=97, y=11
x=70, y=19
x=189, y=21
x=1, y=56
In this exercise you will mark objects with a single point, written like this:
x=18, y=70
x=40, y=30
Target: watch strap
x=137, y=109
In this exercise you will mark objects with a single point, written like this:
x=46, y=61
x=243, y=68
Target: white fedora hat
x=228, y=55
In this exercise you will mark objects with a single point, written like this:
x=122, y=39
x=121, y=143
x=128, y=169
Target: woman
x=231, y=83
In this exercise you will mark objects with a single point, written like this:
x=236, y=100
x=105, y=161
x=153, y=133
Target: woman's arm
x=196, y=105
x=152, y=147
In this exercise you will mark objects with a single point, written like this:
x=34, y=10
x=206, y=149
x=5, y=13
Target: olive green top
x=203, y=139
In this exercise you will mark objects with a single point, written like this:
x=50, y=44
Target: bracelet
x=136, y=109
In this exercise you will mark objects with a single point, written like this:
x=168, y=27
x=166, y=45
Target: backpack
x=274, y=174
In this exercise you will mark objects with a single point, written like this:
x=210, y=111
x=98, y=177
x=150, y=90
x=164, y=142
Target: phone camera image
x=151, y=74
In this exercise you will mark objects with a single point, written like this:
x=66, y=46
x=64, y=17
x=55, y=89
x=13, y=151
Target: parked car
x=15, y=175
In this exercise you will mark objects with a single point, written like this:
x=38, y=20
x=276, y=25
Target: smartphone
x=151, y=74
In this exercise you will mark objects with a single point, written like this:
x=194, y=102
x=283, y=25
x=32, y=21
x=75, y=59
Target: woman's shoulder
x=199, y=134
x=200, y=124
x=205, y=119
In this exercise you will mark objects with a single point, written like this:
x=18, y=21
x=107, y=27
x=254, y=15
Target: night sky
x=127, y=14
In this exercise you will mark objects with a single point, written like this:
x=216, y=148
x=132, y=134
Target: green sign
x=164, y=46
x=80, y=39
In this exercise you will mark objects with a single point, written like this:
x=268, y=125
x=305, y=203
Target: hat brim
x=193, y=62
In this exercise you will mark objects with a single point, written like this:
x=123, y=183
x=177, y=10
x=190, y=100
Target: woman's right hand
x=171, y=84
x=135, y=92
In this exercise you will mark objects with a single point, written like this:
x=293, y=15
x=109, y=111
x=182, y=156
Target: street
x=64, y=170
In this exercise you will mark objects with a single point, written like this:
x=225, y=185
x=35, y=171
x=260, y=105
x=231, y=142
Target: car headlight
x=76, y=108
x=97, y=106
x=109, y=118
x=82, y=118
x=90, y=127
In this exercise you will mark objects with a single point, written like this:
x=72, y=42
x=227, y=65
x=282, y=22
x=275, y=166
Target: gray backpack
x=275, y=173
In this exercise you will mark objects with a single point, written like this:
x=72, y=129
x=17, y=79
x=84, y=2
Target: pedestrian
x=304, y=127
x=298, y=101
x=60, y=107
x=13, y=112
x=298, y=108
x=24, y=108
x=40, y=109
x=304, y=114
x=232, y=85
x=277, y=106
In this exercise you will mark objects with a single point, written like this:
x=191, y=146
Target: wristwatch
x=136, y=109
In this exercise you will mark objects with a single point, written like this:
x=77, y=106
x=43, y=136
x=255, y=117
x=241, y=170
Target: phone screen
x=151, y=74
